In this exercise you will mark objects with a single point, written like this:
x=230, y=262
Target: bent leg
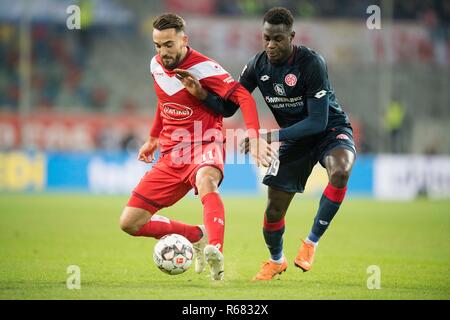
x=207, y=181
x=140, y=223
x=156, y=190
x=339, y=164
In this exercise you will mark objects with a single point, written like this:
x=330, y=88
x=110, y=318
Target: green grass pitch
x=41, y=235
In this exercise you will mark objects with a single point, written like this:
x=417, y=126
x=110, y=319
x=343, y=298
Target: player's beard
x=173, y=62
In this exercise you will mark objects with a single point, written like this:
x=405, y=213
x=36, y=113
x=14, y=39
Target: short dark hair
x=279, y=15
x=168, y=21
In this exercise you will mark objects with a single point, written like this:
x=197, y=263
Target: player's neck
x=184, y=52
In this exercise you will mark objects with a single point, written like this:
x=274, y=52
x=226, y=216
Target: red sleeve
x=229, y=89
x=247, y=104
x=157, y=124
x=222, y=85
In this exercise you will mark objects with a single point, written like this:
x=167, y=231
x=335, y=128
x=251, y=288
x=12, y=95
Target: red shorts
x=173, y=175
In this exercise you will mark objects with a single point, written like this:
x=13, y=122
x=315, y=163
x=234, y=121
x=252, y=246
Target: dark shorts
x=298, y=158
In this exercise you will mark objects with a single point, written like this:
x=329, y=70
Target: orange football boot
x=270, y=269
x=305, y=256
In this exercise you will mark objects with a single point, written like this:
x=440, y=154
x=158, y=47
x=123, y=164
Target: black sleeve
x=316, y=121
x=316, y=77
x=225, y=107
x=220, y=106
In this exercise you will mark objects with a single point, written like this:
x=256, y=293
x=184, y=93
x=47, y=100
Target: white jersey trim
x=171, y=85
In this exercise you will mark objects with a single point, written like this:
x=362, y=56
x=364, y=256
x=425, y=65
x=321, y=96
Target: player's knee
x=127, y=224
x=206, y=183
x=274, y=213
x=339, y=176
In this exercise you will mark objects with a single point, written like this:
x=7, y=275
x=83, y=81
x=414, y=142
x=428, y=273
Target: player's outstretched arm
x=315, y=123
x=220, y=106
x=261, y=151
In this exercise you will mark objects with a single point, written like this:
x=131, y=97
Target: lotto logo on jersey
x=290, y=79
x=176, y=111
x=320, y=94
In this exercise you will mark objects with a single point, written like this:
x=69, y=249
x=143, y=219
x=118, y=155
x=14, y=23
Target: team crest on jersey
x=290, y=79
x=279, y=89
x=176, y=111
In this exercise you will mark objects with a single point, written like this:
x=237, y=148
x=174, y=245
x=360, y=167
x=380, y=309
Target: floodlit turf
x=41, y=235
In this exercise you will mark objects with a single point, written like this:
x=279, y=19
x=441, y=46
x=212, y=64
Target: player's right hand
x=147, y=151
x=191, y=84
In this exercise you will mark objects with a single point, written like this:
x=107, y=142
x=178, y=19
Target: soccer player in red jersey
x=192, y=146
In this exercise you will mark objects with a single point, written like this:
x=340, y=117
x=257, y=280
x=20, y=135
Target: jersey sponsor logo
x=320, y=94
x=290, y=79
x=342, y=136
x=279, y=89
x=264, y=77
x=177, y=111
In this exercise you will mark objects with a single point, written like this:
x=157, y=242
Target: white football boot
x=199, y=246
x=214, y=258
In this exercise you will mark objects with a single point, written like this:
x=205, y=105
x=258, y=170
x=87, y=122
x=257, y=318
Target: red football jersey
x=180, y=117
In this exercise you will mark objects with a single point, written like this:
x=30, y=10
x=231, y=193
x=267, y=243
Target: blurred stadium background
x=75, y=105
x=65, y=94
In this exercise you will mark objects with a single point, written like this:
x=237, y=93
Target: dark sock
x=273, y=235
x=329, y=204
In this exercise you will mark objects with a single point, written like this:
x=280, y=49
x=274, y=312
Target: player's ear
x=292, y=35
x=185, y=40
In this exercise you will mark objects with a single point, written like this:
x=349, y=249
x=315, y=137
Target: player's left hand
x=267, y=136
x=261, y=151
x=191, y=84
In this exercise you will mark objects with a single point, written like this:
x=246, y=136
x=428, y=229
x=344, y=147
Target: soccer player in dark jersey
x=192, y=147
x=313, y=128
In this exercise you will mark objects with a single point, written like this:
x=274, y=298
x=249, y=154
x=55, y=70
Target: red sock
x=214, y=218
x=273, y=226
x=159, y=226
x=335, y=194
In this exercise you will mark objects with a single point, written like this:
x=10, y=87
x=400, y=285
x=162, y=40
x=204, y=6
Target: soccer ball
x=173, y=254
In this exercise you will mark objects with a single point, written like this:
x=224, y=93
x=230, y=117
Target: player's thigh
x=293, y=170
x=208, y=172
x=338, y=154
x=159, y=188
